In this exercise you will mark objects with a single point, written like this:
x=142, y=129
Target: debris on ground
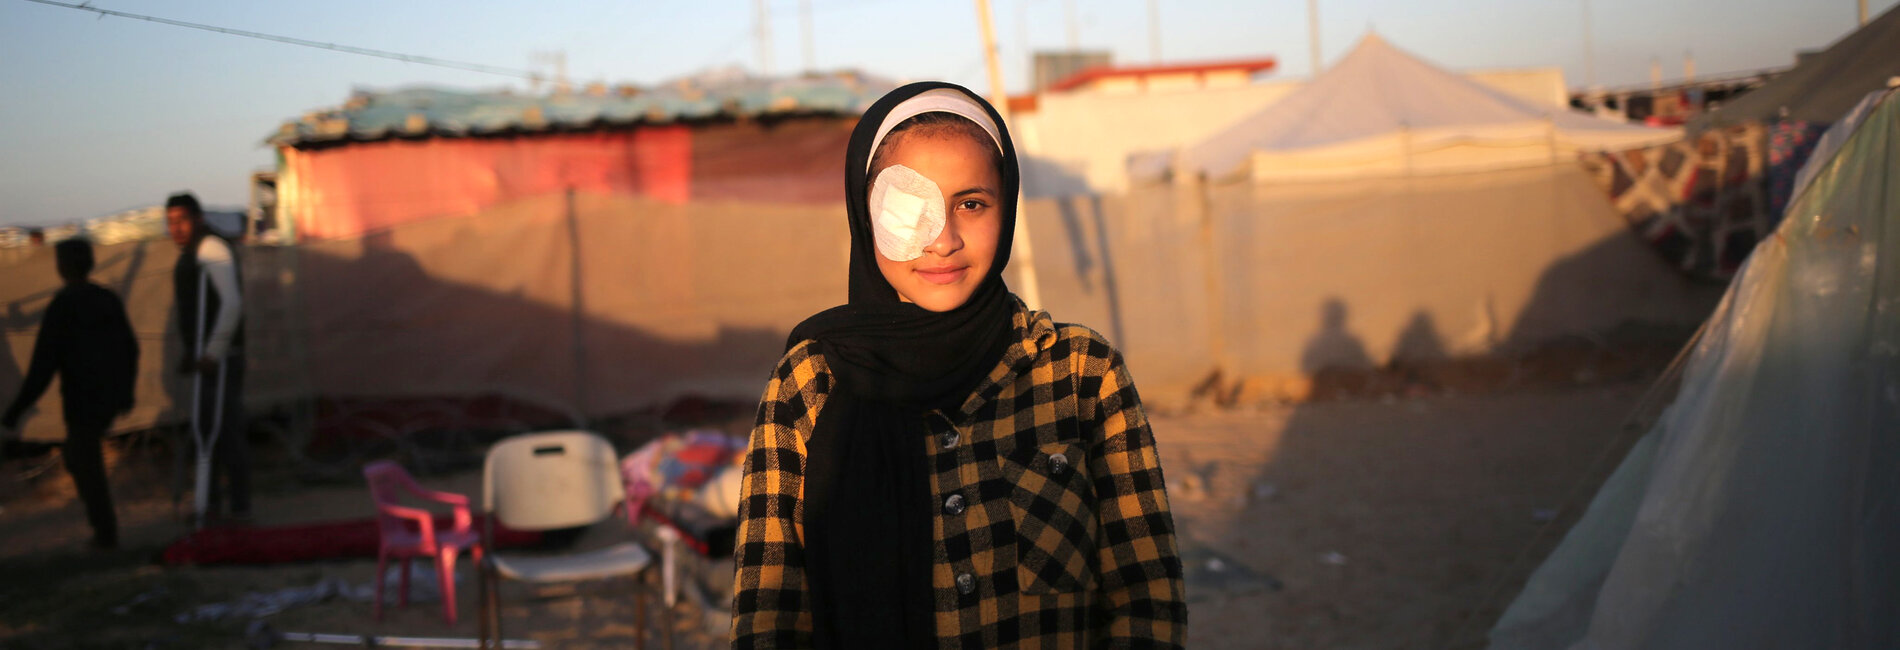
x=259, y=604
x=1210, y=573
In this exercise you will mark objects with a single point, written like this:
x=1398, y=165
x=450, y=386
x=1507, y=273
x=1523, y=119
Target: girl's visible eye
x=970, y=204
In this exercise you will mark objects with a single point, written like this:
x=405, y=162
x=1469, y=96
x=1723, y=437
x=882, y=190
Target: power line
x=347, y=49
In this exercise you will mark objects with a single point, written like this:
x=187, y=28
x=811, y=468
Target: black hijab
x=869, y=539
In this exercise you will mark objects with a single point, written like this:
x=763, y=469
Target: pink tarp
x=346, y=191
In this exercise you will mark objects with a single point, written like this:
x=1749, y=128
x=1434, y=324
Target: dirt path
x=1385, y=522
x=1357, y=524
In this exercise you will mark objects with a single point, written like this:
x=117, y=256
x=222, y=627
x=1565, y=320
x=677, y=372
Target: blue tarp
x=438, y=112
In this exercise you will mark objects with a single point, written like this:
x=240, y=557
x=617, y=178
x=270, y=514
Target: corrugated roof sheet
x=438, y=112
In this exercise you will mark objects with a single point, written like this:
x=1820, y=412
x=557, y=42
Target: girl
x=935, y=465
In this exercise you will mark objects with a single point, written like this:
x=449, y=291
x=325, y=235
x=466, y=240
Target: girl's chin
x=938, y=298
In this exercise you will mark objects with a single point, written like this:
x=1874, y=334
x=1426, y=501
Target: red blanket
x=331, y=540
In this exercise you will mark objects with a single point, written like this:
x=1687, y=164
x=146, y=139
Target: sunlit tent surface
x=1381, y=111
x=1390, y=212
x=1761, y=511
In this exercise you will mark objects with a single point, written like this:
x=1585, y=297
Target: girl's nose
x=947, y=242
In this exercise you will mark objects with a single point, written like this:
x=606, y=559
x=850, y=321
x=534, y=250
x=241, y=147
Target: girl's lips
x=943, y=275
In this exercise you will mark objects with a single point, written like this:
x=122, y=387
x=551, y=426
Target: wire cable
x=347, y=49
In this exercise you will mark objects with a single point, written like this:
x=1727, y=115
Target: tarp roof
x=1378, y=90
x=1824, y=86
x=436, y=112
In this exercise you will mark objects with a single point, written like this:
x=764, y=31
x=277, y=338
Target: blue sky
x=103, y=114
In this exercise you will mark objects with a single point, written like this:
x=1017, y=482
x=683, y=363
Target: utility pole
x=1154, y=31
x=998, y=95
x=1068, y=10
x=804, y=20
x=556, y=59
x=1589, y=51
x=1022, y=27
x=1312, y=29
x=1863, y=13
x=765, y=38
x=1031, y=289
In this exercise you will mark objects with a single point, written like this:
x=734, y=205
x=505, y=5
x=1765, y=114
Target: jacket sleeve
x=1139, y=559
x=214, y=256
x=771, y=607
x=45, y=362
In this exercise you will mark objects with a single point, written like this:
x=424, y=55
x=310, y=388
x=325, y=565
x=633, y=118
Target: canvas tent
x=1762, y=510
x=1825, y=85
x=1079, y=141
x=1277, y=275
x=1383, y=112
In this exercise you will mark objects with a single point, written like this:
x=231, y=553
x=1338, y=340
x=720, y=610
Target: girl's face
x=953, y=265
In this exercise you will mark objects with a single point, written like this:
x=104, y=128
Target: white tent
x=1763, y=509
x=1383, y=112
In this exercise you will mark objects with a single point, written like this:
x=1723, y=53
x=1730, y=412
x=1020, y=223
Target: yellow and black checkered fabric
x=1054, y=530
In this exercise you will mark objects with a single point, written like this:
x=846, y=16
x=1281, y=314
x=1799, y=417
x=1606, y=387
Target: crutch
x=206, y=441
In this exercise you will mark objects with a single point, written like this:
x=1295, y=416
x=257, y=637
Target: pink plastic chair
x=409, y=533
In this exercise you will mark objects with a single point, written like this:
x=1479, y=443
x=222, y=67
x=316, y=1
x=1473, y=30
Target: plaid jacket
x=1053, y=529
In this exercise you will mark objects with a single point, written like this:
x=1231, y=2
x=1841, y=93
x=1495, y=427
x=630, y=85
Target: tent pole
x=804, y=24
x=1312, y=29
x=764, y=36
x=1550, y=137
x=1589, y=51
x=577, y=298
x=1154, y=29
x=1202, y=204
x=1405, y=147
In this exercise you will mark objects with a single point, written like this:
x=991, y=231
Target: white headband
x=936, y=100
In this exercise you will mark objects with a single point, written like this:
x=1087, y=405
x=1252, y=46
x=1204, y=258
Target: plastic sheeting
x=605, y=304
x=632, y=302
x=348, y=191
x=589, y=305
x=1277, y=282
x=1760, y=511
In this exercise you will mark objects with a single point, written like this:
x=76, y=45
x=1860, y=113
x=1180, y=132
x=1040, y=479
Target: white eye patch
x=906, y=213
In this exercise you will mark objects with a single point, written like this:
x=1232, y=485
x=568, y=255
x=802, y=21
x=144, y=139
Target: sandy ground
x=1371, y=523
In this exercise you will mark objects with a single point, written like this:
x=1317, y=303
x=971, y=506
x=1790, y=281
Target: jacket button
x=1058, y=464
x=953, y=505
x=948, y=438
x=966, y=583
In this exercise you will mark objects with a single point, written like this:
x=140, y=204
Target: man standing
x=211, y=317
x=86, y=339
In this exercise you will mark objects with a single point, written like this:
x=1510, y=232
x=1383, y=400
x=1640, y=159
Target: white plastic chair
x=549, y=481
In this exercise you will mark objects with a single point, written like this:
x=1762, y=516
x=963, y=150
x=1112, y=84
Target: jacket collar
x=1035, y=332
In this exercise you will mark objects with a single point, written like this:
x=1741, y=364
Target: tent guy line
x=346, y=49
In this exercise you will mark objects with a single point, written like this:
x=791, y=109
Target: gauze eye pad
x=906, y=213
